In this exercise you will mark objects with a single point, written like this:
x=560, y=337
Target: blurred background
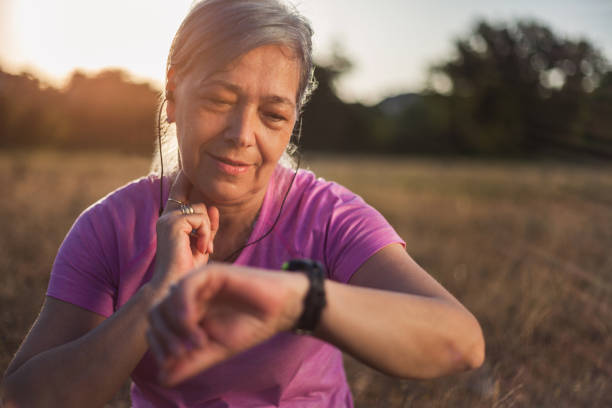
x=481, y=129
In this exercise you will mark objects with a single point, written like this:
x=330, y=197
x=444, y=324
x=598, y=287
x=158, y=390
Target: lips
x=230, y=166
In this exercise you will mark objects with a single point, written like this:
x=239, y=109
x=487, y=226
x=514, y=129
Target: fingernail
x=211, y=247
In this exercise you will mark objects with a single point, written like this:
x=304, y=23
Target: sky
x=390, y=42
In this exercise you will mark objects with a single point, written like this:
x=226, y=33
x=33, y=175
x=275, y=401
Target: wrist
x=297, y=286
x=153, y=291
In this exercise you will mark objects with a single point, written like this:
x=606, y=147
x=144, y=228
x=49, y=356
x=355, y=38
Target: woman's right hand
x=184, y=241
x=218, y=311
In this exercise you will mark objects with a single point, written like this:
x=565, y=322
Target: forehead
x=269, y=69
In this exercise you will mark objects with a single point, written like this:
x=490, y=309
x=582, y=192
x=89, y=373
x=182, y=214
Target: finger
x=196, y=224
x=198, y=229
x=180, y=313
x=156, y=349
x=213, y=217
x=185, y=307
x=182, y=231
x=202, y=230
x=205, y=283
x=180, y=190
x=190, y=365
x=168, y=342
x=200, y=208
x=202, y=243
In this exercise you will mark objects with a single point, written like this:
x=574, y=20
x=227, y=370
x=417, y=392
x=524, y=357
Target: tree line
x=103, y=111
x=509, y=90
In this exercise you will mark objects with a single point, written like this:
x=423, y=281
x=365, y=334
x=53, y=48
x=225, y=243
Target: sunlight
x=59, y=36
x=391, y=48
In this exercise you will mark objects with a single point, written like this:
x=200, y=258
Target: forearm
x=89, y=370
x=401, y=334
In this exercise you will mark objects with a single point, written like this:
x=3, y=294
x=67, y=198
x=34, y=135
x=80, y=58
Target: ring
x=186, y=209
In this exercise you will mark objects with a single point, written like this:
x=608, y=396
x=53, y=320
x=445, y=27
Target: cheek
x=275, y=145
x=198, y=127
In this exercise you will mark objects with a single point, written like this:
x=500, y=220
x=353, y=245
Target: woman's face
x=233, y=125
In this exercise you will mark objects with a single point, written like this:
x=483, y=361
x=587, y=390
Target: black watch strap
x=314, y=301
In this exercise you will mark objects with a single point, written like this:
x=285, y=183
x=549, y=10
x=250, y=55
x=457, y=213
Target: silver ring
x=187, y=209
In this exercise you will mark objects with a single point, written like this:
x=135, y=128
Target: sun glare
x=56, y=37
x=391, y=48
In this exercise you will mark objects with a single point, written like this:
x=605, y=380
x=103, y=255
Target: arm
x=404, y=323
x=396, y=318
x=74, y=357
x=71, y=357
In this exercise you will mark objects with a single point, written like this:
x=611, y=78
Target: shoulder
x=138, y=197
x=320, y=192
x=128, y=209
x=312, y=200
x=118, y=225
x=137, y=193
x=328, y=222
x=316, y=205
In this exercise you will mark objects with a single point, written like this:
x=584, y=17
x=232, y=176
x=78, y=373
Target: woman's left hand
x=218, y=311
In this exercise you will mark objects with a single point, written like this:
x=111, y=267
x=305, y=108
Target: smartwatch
x=314, y=301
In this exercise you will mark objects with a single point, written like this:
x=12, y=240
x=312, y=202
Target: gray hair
x=216, y=32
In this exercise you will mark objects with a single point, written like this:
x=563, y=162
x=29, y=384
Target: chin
x=223, y=192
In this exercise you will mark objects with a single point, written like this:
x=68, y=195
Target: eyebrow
x=236, y=89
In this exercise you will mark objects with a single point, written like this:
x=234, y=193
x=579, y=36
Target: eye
x=275, y=117
x=218, y=101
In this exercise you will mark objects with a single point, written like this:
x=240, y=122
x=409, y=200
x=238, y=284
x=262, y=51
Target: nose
x=242, y=127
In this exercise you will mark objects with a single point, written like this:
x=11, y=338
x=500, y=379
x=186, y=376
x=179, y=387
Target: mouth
x=230, y=166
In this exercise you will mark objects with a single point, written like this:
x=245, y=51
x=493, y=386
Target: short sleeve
x=355, y=232
x=83, y=271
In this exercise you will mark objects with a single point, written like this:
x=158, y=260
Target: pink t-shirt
x=109, y=254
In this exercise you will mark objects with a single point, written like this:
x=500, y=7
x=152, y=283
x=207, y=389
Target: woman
x=147, y=290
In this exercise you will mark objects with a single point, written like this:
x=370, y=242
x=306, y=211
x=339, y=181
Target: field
x=527, y=247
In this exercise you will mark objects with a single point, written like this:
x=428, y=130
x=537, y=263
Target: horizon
x=414, y=37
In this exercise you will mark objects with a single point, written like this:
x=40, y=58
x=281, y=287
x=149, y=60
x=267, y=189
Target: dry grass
x=525, y=246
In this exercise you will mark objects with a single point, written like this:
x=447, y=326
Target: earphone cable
x=161, y=159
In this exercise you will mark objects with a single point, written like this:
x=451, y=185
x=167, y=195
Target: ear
x=170, y=91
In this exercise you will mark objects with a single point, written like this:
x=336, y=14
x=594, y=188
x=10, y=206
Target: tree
x=105, y=111
x=518, y=88
x=329, y=123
